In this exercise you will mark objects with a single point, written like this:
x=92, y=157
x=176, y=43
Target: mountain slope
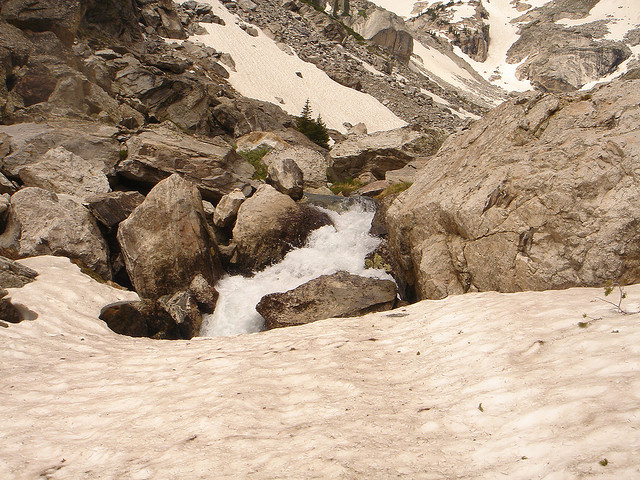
x=518, y=44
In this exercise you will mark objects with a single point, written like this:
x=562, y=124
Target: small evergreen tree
x=320, y=134
x=305, y=121
x=315, y=130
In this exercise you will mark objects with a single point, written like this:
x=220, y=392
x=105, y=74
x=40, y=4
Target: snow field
x=265, y=72
x=479, y=386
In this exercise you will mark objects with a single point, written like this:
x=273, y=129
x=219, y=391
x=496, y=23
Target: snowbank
x=480, y=386
x=265, y=72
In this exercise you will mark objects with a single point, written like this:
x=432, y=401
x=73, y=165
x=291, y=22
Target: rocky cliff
x=541, y=193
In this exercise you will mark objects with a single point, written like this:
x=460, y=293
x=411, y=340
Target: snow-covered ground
x=480, y=386
x=444, y=70
x=265, y=72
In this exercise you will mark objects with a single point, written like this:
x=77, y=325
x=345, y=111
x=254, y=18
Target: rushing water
x=329, y=249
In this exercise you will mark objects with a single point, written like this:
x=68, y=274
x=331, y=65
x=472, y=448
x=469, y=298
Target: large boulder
x=143, y=318
x=339, y=295
x=542, y=193
x=269, y=224
x=43, y=223
x=312, y=163
x=285, y=175
x=165, y=241
x=62, y=171
x=380, y=152
x=211, y=164
x=113, y=207
x=227, y=209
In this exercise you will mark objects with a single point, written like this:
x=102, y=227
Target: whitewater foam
x=341, y=246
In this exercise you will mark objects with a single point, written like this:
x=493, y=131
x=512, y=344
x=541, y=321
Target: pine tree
x=315, y=130
x=305, y=120
x=320, y=134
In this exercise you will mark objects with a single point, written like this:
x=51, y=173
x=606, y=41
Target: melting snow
x=480, y=386
x=265, y=72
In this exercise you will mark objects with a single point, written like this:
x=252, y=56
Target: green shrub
x=254, y=157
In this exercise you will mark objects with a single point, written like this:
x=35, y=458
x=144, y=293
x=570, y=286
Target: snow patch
x=479, y=386
x=265, y=72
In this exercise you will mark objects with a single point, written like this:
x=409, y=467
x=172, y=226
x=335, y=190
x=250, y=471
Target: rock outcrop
x=387, y=30
x=542, y=193
x=380, y=152
x=166, y=242
x=337, y=295
x=211, y=164
x=557, y=58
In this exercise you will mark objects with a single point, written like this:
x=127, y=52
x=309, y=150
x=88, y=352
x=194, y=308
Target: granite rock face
x=542, y=193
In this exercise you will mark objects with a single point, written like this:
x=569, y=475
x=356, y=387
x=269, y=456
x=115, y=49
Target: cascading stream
x=329, y=249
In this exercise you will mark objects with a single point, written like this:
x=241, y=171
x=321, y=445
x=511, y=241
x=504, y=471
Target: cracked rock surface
x=542, y=193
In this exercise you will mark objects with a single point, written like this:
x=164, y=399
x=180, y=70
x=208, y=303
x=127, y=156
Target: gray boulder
x=337, y=295
x=540, y=194
x=312, y=163
x=165, y=241
x=285, y=175
x=113, y=207
x=211, y=164
x=380, y=152
x=62, y=171
x=269, y=224
x=43, y=223
x=14, y=275
x=227, y=209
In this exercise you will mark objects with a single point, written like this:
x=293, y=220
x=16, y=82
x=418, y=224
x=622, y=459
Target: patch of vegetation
x=315, y=130
x=394, y=189
x=611, y=287
x=346, y=187
x=378, y=263
x=254, y=157
x=124, y=153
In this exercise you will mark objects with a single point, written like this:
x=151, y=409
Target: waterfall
x=342, y=246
